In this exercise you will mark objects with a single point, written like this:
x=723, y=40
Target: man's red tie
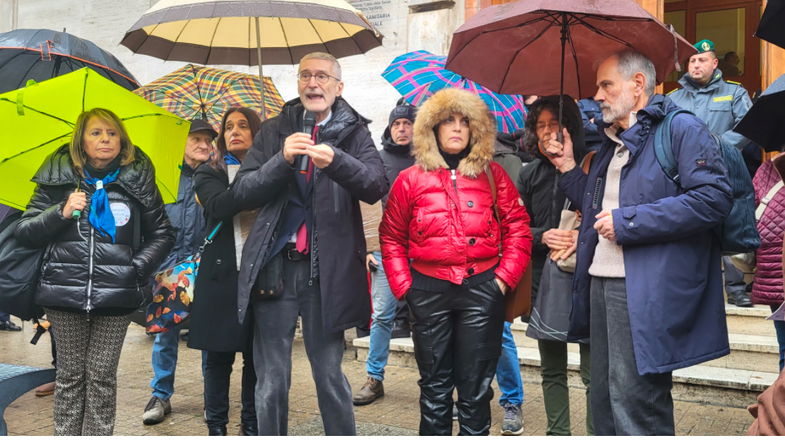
x=302, y=233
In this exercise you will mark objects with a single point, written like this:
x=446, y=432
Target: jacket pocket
x=269, y=283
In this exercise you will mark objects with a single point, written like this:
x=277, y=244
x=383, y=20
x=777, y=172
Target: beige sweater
x=372, y=217
x=608, y=256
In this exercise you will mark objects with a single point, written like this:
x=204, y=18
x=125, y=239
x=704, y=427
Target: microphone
x=309, y=121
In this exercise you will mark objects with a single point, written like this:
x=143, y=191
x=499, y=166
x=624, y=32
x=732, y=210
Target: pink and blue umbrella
x=419, y=74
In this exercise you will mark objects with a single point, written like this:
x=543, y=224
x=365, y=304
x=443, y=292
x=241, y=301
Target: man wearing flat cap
x=188, y=221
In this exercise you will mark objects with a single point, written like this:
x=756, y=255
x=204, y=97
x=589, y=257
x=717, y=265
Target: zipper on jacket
x=595, y=202
x=312, y=231
x=454, y=181
x=91, y=245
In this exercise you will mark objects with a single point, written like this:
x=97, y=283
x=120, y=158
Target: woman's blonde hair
x=76, y=148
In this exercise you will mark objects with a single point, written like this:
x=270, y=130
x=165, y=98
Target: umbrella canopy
x=418, y=75
x=206, y=92
x=41, y=117
x=771, y=23
x=230, y=31
x=764, y=123
x=517, y=47
x=40, y=54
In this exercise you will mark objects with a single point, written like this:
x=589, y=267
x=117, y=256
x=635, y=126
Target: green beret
x=704, y=46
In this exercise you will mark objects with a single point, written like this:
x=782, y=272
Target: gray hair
x=631, y=62
x=327, y=57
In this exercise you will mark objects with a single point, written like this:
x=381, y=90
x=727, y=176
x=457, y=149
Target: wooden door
x=730, y=25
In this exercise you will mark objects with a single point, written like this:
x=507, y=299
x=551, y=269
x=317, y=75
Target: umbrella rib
x=574, y=54
x=286, y=41
x=212, y=40
x=317, y=32
x=199, y=92
x=350, y=37
x=17, y=154
x=24, y=78
x=509, y=65
x=534, y=20
x=600, y=31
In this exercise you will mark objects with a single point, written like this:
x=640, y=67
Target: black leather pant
x=457, y=342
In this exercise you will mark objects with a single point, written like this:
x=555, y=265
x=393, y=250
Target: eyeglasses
x=321, y=77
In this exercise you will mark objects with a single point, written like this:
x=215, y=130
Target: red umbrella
x=542, y=47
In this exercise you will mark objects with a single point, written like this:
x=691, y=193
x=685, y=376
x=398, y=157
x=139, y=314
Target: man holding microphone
x=308, y=169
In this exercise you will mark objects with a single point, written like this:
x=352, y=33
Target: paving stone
x=395, y=414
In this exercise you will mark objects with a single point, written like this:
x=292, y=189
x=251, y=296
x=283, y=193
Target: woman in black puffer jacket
x=99, y=214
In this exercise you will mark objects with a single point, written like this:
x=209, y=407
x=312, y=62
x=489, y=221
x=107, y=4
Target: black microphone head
x=309, y=121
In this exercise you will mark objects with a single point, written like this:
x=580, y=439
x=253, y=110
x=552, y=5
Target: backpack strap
x=764, y=203
x=663, y=146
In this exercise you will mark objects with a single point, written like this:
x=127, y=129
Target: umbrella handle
x=76, y=214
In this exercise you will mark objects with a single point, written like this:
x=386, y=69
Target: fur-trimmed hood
x=482, y=131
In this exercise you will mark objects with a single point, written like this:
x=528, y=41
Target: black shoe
x=216, y=430
x=742, y=299
x=249, y=428
x=9, y=326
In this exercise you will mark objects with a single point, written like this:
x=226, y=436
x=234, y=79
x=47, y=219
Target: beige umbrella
x=250, y=32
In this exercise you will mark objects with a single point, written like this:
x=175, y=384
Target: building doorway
x=730, y=25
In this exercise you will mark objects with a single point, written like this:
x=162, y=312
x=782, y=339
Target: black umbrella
x=41, y=54
x=771, y=23
x=764, y=123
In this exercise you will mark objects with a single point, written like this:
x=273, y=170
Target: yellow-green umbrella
x=39, y=118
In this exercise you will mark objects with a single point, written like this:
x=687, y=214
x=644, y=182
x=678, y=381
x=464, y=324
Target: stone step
x=750, y=321
x=752, y=340
x=702, y=383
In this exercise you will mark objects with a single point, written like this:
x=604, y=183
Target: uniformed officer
x=719, y=103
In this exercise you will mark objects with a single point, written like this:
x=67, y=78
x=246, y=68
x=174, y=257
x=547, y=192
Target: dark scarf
x=453, y=159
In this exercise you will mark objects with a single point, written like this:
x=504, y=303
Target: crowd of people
x=623, y=259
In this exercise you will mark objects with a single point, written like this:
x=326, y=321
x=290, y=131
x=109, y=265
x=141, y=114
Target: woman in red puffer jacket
x=447, y=253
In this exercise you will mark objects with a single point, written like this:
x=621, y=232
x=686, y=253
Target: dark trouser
x=4, y=316
x=556, y=391
x=734, y=278
x=217, y=370
x=274, y=322
x=622, y=401
x=457, y=342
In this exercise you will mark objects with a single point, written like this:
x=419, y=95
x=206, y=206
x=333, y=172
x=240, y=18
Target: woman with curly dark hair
x=544, y=201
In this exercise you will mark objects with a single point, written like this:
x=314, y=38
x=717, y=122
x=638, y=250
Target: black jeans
x=457, y=342
x=217, y=370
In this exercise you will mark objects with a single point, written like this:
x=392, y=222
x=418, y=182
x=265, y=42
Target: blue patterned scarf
x=101, y=217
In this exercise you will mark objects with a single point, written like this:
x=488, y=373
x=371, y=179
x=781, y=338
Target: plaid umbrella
x=419, y=74
x=206, y=92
